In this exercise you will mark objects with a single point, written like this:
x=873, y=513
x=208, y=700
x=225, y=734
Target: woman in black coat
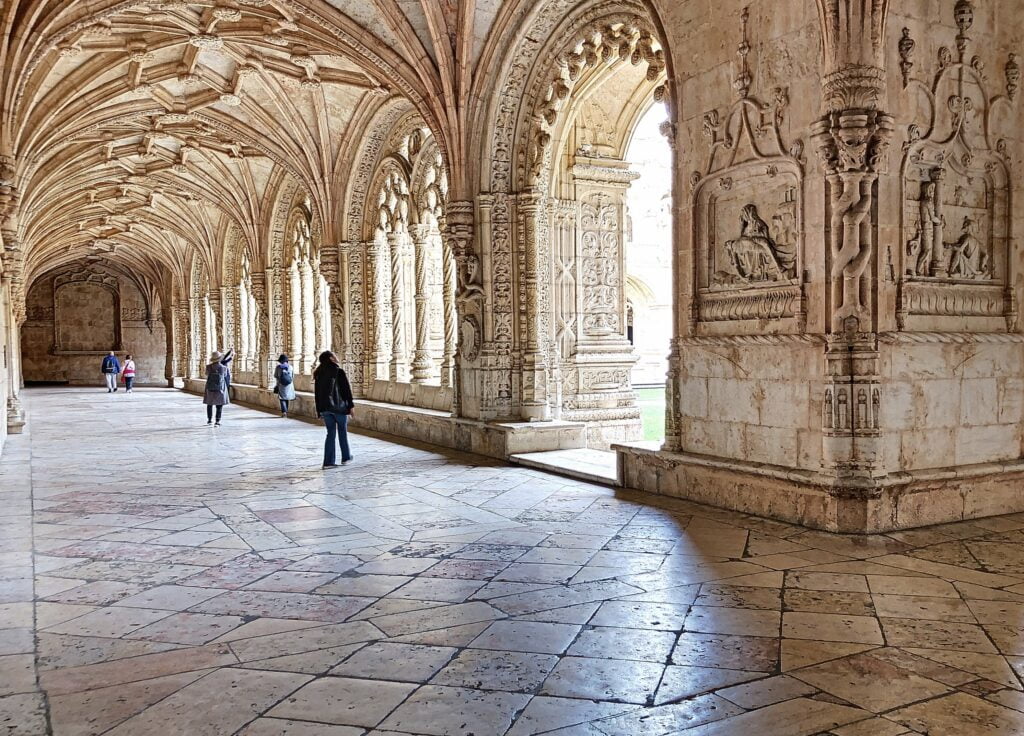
x=334, y=404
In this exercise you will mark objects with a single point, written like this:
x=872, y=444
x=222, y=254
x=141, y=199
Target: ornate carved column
x=852, y=139
x=295, y=315
x=167, y=317
x=378, y=311
x=535, y=370
x=423, y=363
x=334, y=308
x=261, y=331
x=399, y=368
x=13, y=282
x=307, y=287
x=449, y=279
x=457, y=233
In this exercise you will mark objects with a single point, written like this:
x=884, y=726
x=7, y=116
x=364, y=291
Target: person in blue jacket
x=110, y=368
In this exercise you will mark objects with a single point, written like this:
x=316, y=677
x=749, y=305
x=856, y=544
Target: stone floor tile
x=23, y=715
x=395, y=661
x=144, y=667
x=17, y=674
x=960, y=714
x=902, y=585
x=447, y=711
x=188, y=628
x=990, y=666
x=549, y=714
x=668, y=719
x=607, y=642
x=604, y=679
x=640, y=615
x=681, y=681
x=93, y=712
x=316, y=662
x=768, y=691
x=759, y=654
x=438, y=589
x=170, y=597
x=869, y=682
x=436, y=618
x=579, y=614
x=827, y=581
x=798, y=717
x=906, y=632
x=831, y=627
x=303, y=640
x=721, y=620
x=220, y=703
x=110, y=622
x=286, y=727
x=527, y=636
x=496, y=670
x=344, y=701
x=739, y=596
x=923, y=607
x=828, y=601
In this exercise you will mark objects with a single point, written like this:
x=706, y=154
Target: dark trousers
x=209, y=412
x=284, y=405
x=129, y=381
x=337, y=426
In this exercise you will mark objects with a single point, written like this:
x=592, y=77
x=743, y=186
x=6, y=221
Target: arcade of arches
x=439, y=192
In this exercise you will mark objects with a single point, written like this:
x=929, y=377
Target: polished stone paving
x=201, y=581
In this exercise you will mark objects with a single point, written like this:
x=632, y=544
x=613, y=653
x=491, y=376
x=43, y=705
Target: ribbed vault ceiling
x=143, y=132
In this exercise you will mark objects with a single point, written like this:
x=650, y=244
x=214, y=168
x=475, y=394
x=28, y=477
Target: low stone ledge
x=900, y=501
x=494, y=439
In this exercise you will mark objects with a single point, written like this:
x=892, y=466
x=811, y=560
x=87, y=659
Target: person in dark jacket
x=218, y=381
x=110, y=368
x=334, y=404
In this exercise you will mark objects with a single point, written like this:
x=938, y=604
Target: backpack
x=215, y=382
x=286, y=377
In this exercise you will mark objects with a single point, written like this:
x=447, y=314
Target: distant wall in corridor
x=97, y=310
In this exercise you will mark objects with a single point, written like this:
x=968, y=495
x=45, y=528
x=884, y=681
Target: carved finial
x=743, y=77
x=963, y=14
x=906, y=48
x=1012, y=77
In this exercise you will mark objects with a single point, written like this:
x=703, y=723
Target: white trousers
x=111, y=380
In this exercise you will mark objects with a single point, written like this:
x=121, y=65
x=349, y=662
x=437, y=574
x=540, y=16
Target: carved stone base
x=905, y=501
x=15, y=417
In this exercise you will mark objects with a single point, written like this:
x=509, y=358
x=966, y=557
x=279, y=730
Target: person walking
x=284, y=383
x=218, y=381
x=128, y=373
x=334, y=404
x=110, y=368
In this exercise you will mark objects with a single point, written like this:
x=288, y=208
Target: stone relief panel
x=955, y=193
x=600, y=272
x=748, y=214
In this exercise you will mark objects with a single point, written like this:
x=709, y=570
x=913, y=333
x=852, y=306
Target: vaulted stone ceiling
x=138, y=131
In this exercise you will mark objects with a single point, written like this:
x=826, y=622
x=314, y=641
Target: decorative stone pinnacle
x=743, y=78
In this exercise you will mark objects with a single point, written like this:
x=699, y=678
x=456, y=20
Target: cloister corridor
x=164, y=577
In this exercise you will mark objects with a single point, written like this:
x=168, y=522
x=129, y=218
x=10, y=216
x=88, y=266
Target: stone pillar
x=378, y=310
x=167, y=317
x=261, y=330
x=197, y=336
x=423, y=363
x=449, y=313
x=399, y=367
x=309, y=317
x=852, y=139
x=295, y=346
x=535, y=406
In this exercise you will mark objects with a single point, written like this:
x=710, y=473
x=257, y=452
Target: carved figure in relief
x=968, y=259
x=470, y=287
x=753, y=255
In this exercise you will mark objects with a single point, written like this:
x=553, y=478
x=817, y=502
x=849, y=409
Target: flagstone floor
x=159, y=577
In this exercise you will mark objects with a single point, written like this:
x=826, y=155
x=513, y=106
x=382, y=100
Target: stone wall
x=94, y=307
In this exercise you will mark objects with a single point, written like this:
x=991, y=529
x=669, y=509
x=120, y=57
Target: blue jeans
x=337, y=425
